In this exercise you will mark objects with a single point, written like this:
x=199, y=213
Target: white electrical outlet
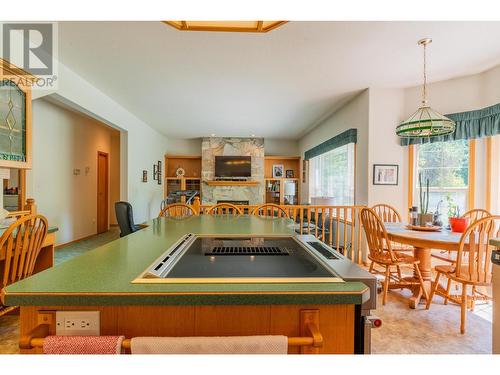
x=78, y=323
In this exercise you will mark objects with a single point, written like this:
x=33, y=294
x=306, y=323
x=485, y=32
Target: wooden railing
x=337, y=226
x=28, y=209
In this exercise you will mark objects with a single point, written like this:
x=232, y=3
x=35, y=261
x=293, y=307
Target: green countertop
x=103, y=276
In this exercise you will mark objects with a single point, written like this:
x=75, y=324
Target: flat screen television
x=233, y=166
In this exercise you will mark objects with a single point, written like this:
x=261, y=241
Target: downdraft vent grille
x=247, y=250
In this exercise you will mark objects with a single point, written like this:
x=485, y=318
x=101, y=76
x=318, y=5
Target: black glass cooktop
x=254, y=257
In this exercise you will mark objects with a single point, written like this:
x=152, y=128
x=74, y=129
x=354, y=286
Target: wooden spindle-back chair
x=387, y=213
x=20, y=245
x=476, y=214
x=177, y=210
x=270, y=210
x=472, y=268
x=224, y=209
x=381, y=253
x=473, y=215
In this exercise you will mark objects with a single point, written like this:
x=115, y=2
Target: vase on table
x=423, y=219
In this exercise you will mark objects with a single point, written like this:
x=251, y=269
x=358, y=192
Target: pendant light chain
x=424, y=89
x=425, y=122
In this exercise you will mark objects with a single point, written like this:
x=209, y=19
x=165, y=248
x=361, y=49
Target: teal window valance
x=469, y=125
x=349, y=136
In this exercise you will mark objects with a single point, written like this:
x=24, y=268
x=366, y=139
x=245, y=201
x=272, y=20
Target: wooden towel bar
x=32, y=339
x=310, y=322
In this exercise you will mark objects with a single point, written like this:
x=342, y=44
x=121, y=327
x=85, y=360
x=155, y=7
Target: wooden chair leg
x=463, y=308
x=399, y=274
x=433, y=290
x=473, y=300
x=448, y=289
x=421, y=281
x=386, y=284
x=371, y=267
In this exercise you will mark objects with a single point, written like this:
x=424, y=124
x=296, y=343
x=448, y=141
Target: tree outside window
x=446, y=165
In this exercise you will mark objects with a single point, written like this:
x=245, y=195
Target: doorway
x=102, y=192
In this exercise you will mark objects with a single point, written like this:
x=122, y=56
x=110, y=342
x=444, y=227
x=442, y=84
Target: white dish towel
x=210, y=345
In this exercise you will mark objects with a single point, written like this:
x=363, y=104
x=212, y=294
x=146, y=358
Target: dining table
x=422, y=243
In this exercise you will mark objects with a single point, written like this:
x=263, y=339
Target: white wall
x=273, y=147
x=386, y=107
x=64, y=141
x=376, y=113
x=185, y=147
x=459, y=95
x=354, y=114
x=141, y=145
x=490, y=92
x=281, y=147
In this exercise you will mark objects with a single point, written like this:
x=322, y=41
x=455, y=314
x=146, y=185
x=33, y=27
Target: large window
x=331, y=177
x=446, y=165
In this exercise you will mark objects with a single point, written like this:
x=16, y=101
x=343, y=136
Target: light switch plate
x=78, y=323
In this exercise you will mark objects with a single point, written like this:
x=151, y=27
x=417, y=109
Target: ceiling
x=278, y=84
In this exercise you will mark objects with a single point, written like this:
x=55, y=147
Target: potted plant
x=424, y=216
x=458, y=224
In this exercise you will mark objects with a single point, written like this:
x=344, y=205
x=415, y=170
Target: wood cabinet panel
x=190, y=164
x=336, y=322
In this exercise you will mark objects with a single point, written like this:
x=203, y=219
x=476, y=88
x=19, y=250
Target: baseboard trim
x=60, y=246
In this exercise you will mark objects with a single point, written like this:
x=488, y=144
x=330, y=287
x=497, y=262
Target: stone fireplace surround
x=237, y=203
x=217, y=146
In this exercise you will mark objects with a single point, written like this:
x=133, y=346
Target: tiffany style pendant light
x=425, y=122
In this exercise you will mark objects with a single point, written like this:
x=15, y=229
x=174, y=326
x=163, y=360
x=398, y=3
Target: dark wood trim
x=105, y=154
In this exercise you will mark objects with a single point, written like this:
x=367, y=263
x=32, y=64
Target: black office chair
x=125, y=218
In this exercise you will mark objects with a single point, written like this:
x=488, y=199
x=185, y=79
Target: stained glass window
x=12, y=122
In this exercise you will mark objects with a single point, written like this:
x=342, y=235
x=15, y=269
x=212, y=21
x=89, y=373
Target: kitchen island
x=323, y=317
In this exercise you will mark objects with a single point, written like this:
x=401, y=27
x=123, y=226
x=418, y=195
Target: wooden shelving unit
x=191, y=164
x=192, y=177
x=275, y=186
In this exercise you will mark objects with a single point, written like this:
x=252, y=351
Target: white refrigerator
x=495, y=260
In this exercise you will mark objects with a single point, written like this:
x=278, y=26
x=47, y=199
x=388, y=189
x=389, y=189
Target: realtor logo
x=32, y=47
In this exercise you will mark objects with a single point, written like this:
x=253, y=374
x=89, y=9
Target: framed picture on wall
x=385, y=174
x=278, y=170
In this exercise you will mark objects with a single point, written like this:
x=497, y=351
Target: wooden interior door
x=102, y=192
